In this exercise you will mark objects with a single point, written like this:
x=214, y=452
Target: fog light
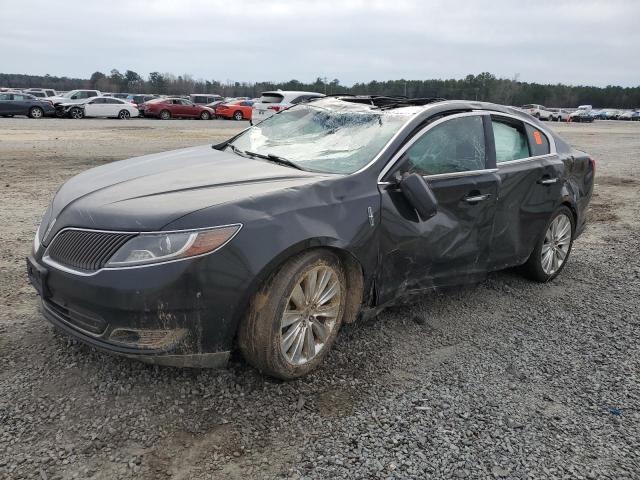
x=145, y=338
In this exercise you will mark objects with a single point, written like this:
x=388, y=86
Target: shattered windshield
x=331, y=135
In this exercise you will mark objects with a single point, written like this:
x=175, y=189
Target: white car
x=538, y=111
x=271, y=103
x=41, y=92
x=99, y=107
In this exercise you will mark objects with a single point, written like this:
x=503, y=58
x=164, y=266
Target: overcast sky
x=574, y=42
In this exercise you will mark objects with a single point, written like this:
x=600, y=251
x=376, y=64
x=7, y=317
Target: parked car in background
x=583, y=116
x=274, y=239
x=625, y=115
x=74, y=96
x=139, y=99
x=166, y=108
x=539, y=111
x=204, y=99
x=238, y=110
x=213, y=105
x=24, y=104
x=121, y=96
x=41, y=92
x=271, y=103
x=559, y=114
x=98, y=107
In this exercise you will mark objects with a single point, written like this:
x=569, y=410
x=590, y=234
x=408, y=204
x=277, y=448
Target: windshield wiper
x=237, y=151
x=275, y=159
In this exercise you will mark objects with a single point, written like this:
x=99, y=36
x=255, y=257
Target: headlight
x=44, y=222
x=149, y=248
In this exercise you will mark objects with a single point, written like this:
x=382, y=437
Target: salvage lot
x=504, y=379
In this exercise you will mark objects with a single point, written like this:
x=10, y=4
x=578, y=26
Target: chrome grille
x=86, y=249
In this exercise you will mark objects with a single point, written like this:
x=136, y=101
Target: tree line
x=484, y=87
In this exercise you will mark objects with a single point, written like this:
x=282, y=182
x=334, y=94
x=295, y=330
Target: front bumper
x=164, y=314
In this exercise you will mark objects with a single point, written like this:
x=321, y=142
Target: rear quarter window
x=538, y=141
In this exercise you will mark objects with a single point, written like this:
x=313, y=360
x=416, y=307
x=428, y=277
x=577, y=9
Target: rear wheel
x=165, y=115
x=294, y=319
x=76, y=113
x=36, y=112
x=124, y=115
x=237, y=115
x=553, y=248
x=205, y=116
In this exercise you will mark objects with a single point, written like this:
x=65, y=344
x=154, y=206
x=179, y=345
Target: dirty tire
x=165, y=115
x=533, y=269
x=205, y=116
x=237, y=115
x=260, y=332
x=36, y=112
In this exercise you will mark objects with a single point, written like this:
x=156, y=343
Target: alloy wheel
x=310, y=314
x=36, y=112
x=124, y=114
x=557, y=242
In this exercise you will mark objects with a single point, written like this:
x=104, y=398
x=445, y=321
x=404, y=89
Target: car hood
x=147, y=193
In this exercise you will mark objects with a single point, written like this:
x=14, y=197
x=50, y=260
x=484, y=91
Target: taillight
x=135, y=105
x=593, y=164
x=275, y=107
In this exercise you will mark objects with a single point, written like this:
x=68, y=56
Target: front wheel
x=205, y=116
x=124, y=115
x=238, y=115
x=76, y=113
x=36, y=112
x=553, y=248
x=292, y=322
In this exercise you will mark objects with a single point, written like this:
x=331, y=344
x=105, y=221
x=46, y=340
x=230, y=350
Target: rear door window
x=511, y=140
x=456, y=145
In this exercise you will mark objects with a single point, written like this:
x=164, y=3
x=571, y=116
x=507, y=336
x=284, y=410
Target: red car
x=237, y=109
x=166, y=108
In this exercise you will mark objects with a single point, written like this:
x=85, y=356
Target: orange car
x=236, y=109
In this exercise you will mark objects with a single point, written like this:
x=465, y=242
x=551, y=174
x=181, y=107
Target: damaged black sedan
x=317, y=216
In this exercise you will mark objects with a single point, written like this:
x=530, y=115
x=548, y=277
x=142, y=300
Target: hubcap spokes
x=556, y=244
x=310, y=315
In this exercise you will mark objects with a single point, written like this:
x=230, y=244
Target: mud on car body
x=320, y=214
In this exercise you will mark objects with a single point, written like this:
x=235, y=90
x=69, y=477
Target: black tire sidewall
x=205, y=116
x=534, y=264
x=162, y=117
x=238, y=117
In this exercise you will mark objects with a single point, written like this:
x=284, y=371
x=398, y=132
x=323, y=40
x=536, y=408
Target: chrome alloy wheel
x=557, y=242
x=310, y=315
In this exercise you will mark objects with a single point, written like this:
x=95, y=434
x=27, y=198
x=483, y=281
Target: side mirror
x=419, y=195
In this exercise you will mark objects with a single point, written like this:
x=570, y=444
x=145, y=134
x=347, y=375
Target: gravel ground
x=505, y=379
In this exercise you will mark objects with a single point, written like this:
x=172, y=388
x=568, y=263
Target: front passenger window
x=456, y=145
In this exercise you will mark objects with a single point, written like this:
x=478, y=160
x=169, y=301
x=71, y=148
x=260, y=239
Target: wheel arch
x=353, y=270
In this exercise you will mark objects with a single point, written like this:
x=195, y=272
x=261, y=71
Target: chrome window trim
x=52, y=263
x=523, y=160
x=396, y=157
x=419, y=134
